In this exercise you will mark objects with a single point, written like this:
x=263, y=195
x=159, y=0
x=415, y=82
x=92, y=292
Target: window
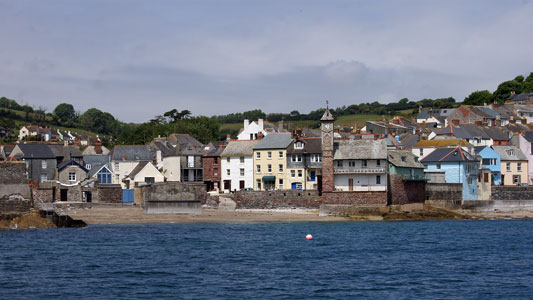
x=269, y=155
x=88, y=166
x=269, y=168
x=438, y=166
x=296, y=158
x=489, y=161
x=44, y=164
x=228, y=159
x=421, y=152
x=511, y=152
x=44, y=177
x=316, y=158
x=516, y=179
x=241, y=159
x=251, y=136
x=280, y=183
x=519, y=166
x=258, y=155
x=104, y=176
x=117, y=177
x=258, y=184
x=215, y=160
x=378, y=179
x=470, y=181
x=72, y=176
x=117, y=166
x=280, y=168
x=508, y=166
x=298, y=145
x=293, y=173
x=241, y=172
x=281, y=154
x=300, y=173
x=258, y=168
x=190, y=161
x=351, y=163
x=378, y=162
x=228, y=172
x=339, y=163
x=364, y=163
x=149, y=179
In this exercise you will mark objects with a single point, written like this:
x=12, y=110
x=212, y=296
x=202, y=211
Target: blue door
x=127, y=196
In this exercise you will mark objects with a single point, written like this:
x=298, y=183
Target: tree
x=96, y=120
x=65, y=112
x=504, y=90
x=479, y=98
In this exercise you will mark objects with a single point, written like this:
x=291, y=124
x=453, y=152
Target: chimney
x=260, y=124
x=455, y=122
x=98, y=147
x=513, y=93
x=259, y=135
x=246, y=123
x=65, y=143
x=498, y=121
x=123, y=156
x=228, y=137
x=280, y=125
x=524, y=121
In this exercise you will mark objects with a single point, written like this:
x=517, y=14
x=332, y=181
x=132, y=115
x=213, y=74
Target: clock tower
x=326, y=127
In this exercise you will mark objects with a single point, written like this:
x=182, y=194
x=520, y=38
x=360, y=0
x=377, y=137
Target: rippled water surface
x=363, y=260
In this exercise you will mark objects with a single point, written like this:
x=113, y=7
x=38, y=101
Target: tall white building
x=251, y=130
x=237, y=165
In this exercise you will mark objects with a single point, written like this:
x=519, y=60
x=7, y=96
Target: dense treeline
x=206, y=129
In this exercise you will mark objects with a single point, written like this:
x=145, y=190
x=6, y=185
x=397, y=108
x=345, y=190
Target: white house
x=251, y=130
x=360, y=165
x=167, y=159
x=237, y=165
x=125, y=158
x=144, y=172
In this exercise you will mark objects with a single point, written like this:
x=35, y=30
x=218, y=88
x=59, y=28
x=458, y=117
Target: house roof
x=311, y=145
x=131, y=153
x=181, y=139
x=425, y=113
x=96, y=161
x=509, y=153
x=36, y=151
x=138, y=168
x=520, y=97
x=469, y=131
x=274, y=141
x=166, y=148
x=524, y=107
x=361, y=149
x=528, y=135
x=409, y=159
x=240, y=148
x=441, y=143
x=454, y=154
x=409, y=140
x=65, y=164
x=90, y=150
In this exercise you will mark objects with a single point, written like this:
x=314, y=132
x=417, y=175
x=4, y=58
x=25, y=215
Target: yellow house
x=514, y=165
x=270, y=162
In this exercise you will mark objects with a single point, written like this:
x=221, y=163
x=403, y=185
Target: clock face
x=327, y=126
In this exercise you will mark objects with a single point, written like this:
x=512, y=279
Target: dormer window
x=403, y=158
x=298, y=145
x=511, y=152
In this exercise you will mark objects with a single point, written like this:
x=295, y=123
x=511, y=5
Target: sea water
x=345, y=260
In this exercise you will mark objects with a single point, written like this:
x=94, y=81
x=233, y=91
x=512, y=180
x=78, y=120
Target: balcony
x=353, y=170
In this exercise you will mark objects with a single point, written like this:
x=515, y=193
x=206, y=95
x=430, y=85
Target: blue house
x=457, y=165
x=490, y=159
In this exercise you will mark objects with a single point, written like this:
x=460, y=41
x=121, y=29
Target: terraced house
x=304, y=163
x=237, y=165
x=514, y=165
x=270, y=162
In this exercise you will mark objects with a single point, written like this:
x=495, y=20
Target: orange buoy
x=309, y=237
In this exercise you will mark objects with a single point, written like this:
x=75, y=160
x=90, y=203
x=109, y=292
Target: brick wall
x=509, y=193
x=108, y=193
x=400, y=192
x=277, y=199
x=355, y=198
x=13, y=173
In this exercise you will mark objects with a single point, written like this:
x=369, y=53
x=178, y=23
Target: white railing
x=348, y=170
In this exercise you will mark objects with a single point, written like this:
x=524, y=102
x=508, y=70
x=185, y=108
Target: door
x=127, y=196
x=227, y=185
x=241, y=184
x=350, y=184
x=64, y=193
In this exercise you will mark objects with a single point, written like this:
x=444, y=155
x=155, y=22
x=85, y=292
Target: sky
x=138, y=59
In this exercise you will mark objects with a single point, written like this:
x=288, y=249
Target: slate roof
x=427, y=112
x=410, y=160
x=274, y=141
x=469, y=131
x=520, y=97
x=90, y=150
x=36, y=151
x=493, y=113
x=528, y=135
x=166, y=148
x=131, y=153
x=441, y=143
x=409, y=140
x=311, y=145
x=181, y=139
x=65, y=164
x=455, y=154
x=240, y=148
x=361, y=149
x=138, y=168
x=96, y=162
x=524, y=107
x=505, y=153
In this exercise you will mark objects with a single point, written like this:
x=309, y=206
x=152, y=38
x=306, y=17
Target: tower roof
x=327, y=116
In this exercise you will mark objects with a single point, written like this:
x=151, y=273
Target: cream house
x=270, y=163
x=514, y=165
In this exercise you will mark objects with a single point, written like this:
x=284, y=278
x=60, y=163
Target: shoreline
x=135, y=215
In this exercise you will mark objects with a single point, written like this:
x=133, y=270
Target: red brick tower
x=328, y=184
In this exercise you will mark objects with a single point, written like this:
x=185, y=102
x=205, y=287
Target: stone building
x=40, y=160
x=71, y=172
